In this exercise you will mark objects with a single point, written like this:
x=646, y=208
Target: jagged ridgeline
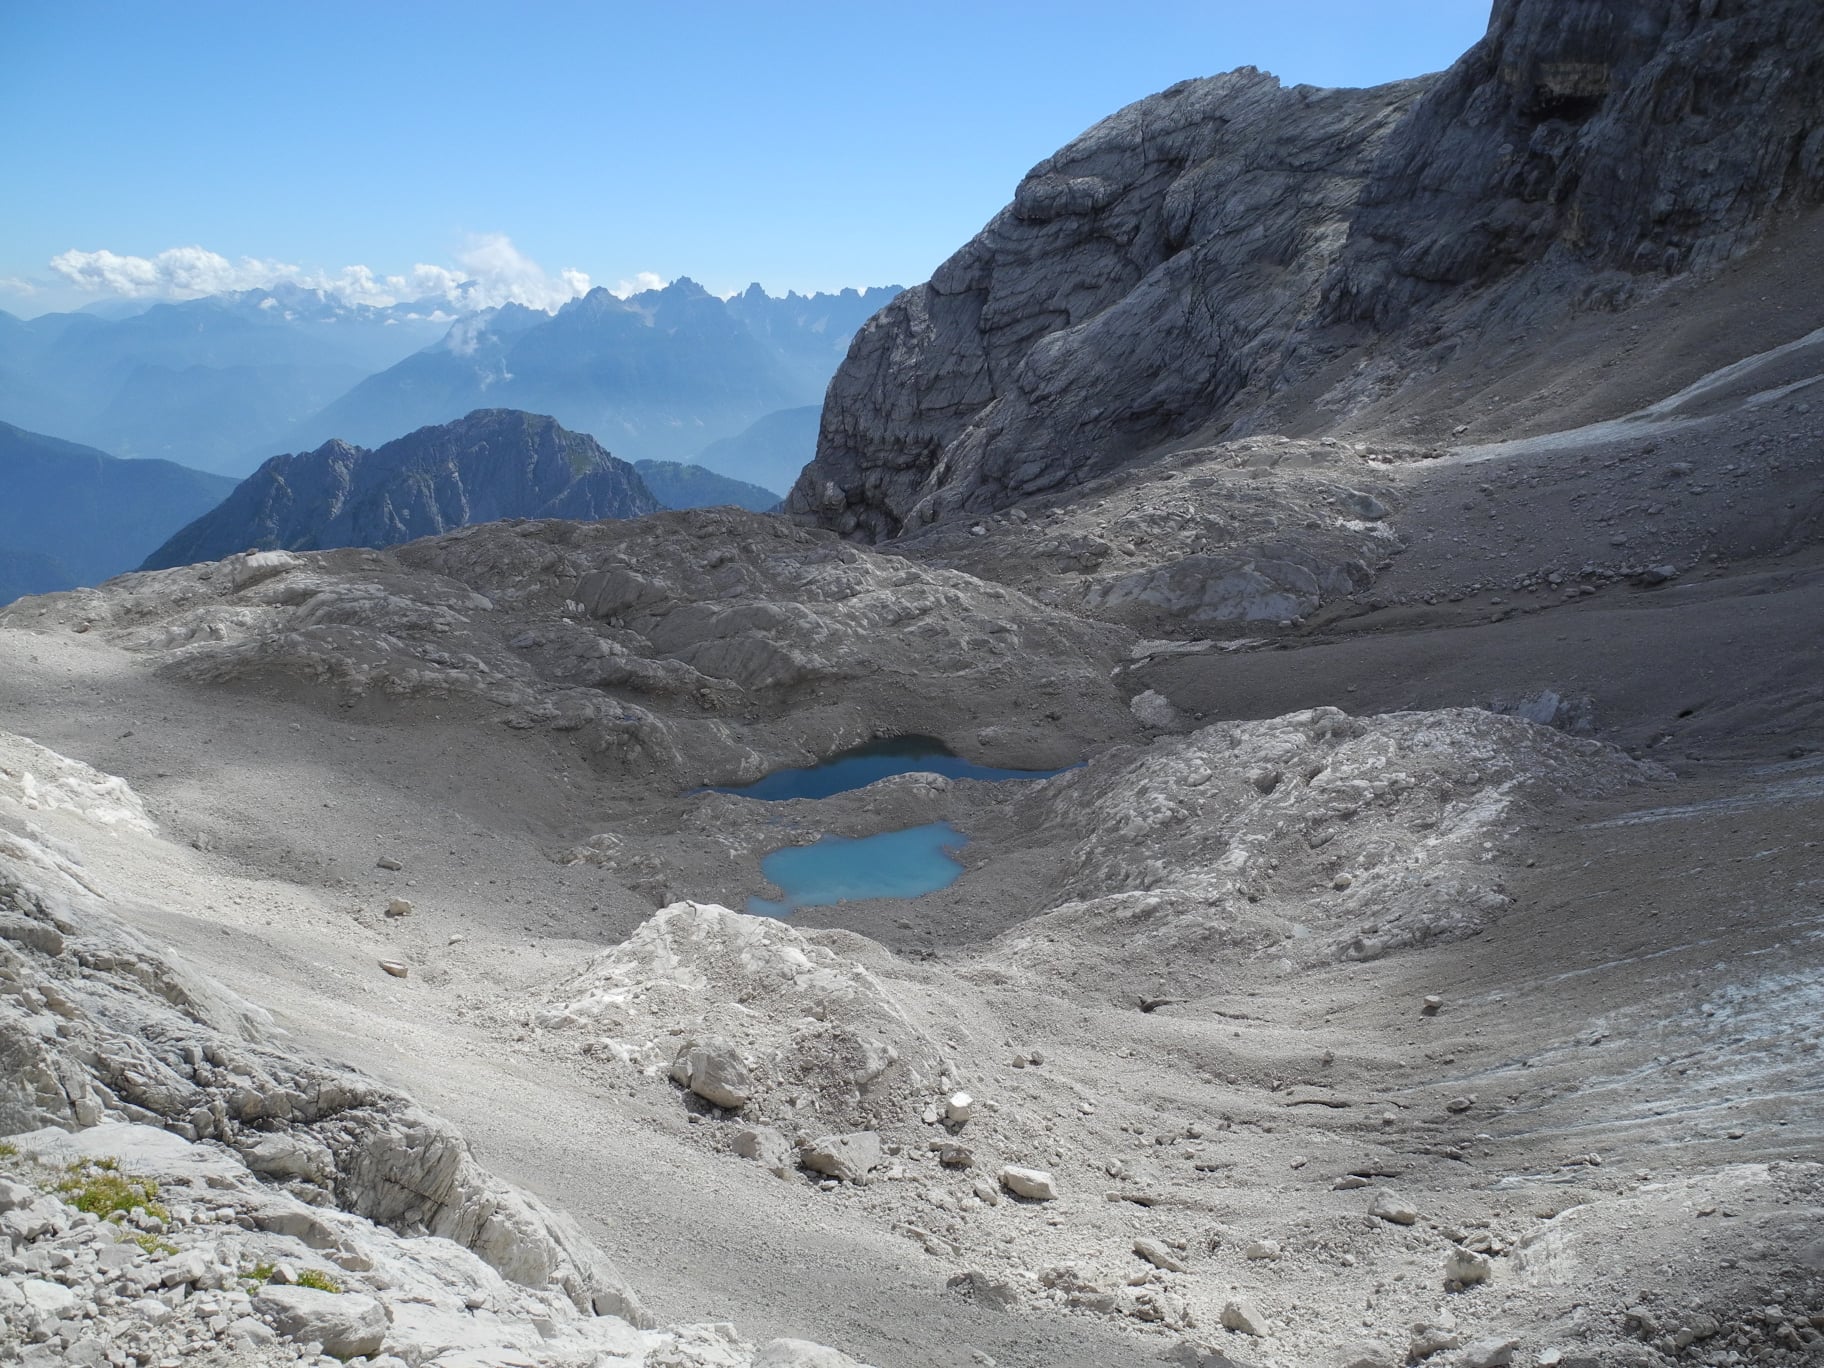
x=1234, y=255
x=495, y=463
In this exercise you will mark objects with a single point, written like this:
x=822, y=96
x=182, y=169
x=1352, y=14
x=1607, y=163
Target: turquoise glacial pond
x=863, y=765
x=894, y=864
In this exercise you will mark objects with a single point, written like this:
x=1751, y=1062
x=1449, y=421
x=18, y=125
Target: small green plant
x=8, y=1150
x=153, y=1245
x=317, y=1278
x=99, y=1187
x=260, y=1273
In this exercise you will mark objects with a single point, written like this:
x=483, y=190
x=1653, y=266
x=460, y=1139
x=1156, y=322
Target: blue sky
x=806, y=146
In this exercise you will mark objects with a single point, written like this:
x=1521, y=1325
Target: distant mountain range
x=676, y=485
x=657, y=376
x=771, y=450
x=203, y=382
x=71, y=515
x=495, y=463
x=221, y=383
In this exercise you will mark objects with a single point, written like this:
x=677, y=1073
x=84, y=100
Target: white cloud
x=489, y=272
x=642, y=280
x=17, y=285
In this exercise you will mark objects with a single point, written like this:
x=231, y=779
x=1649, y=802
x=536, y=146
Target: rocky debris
x=712, y=1069
x=1392, y=1208
x=395, y=968
x=983, y=1290
x=1260, y=1251
x=1248, y=531
x=399, y=907
x=847, y=1158
x=1036, y=1185
x=1537, y=173
x=1231, y=837
x=818, y=1034
x=387, y=862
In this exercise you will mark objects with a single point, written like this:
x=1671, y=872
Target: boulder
x=1390, y=1206
x=795, y=1353
x=1035, y=1185
x=848, y=1158
x=713, y=1069
x=1467, y=1267
x=766, y=1147
x=344, y=1323
x=1158, y=1256
x=1239, y=1314
x=1489, y=1351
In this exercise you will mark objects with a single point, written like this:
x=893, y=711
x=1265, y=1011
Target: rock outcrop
x=686, y=644
x=495, y=463
x=1198, y=252
x=1314, y=835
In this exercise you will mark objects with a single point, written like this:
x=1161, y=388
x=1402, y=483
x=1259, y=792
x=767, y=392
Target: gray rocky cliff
x=495, y=463
x=1179, y=264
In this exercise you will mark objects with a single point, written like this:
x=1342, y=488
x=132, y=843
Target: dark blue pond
x=894, y=864
x=864, y=765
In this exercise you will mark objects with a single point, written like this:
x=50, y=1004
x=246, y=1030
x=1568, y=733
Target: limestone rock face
x=1642, y=140
x=1135, y=283
x=1190, y=256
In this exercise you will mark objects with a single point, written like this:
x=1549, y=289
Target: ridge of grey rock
x=1197, y=253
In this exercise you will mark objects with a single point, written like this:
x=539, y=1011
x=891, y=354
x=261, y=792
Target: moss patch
x=99, y=1187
